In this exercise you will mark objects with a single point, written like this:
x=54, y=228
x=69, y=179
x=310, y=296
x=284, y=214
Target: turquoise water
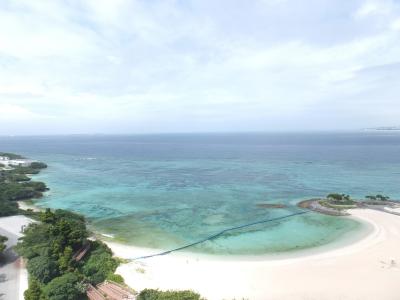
x=164, y=191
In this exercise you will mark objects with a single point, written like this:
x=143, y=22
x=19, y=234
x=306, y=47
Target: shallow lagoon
x=164, y=191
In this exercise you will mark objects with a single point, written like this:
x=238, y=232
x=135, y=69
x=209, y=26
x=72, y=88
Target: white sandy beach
x=366, y=269
x=25, y=206
x=14, y=224
x=396, y=210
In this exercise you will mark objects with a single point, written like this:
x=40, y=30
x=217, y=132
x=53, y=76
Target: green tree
x=65, y=287
x=34, y=291
x=57, y=231
x=49, y=246
x=18, y=178
x=345, y=197
x=43, y=268
x=150, y=294
x=36, y=185
x=100, y=264
x=382, y=197
x=36, y=241
x=65, y=259
x=7, y=208
x=335, y=196
x=25, y=170
x=11, y=155
x=38, y=165
x=47, y=216
x=13, y=191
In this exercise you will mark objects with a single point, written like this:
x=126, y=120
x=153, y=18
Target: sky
x=129, y=66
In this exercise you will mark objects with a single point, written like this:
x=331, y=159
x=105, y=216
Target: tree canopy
x=150, y=294
x=338, y=197
x=65, y=287
x=43, y=268
x=50, y=246
x=34, y=291
x=378, y=197
x=11, y=155
x=38, y=165
x=16, y=185
x=100, y=264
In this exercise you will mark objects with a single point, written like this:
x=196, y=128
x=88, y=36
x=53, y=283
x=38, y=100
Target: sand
x=396, y=210
x=365, y=269
x=14, y=224
x=26, y=205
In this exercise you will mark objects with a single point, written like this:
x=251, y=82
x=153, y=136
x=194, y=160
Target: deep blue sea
x=166, y=190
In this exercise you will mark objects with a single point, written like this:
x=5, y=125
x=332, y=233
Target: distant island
x=384, y=128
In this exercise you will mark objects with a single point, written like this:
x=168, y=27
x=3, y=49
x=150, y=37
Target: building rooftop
x=109, y=290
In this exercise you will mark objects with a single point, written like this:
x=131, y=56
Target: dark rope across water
x=211, y=237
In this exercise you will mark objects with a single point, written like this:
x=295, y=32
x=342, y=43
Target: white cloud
x=21, y=88
x=396, y=24
x=375, y=8
x=14, y=112
x=27, y=36
x=189, y=64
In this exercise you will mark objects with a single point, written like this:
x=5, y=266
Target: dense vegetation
x=150, y=294
x=37, y=165
x=378, y=197
x=50, y=245
x=3, y=240
x=343, y=199
x=340, y=199
x=16, y=185
x=11, y=155
x=8, y=208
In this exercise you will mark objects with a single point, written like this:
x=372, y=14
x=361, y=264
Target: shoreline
x=26, y=205
x=123, y=248
x=125, y=251
x=365, y=265
x=344, y=265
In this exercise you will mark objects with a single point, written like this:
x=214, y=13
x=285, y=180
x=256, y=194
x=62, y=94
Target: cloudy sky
x=101, y=66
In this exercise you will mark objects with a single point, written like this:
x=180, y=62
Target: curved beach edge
x=368, y=268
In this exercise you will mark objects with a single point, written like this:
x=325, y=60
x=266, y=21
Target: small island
x=336, y=204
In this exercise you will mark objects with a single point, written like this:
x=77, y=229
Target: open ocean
x=166, y=190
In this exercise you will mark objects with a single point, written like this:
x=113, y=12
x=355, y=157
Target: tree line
x=16, y=185
x=49, y=247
